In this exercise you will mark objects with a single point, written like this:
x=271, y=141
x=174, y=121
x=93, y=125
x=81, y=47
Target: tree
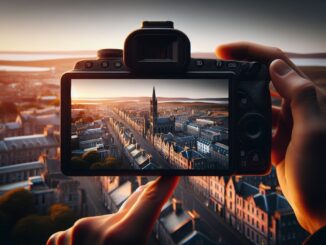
x=62, y=216
x=33, y=230
x=109, y=162
x=5, y=228
x=17, y=203
x=91, y=157
x=79, y=163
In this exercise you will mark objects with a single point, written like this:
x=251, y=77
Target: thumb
x=298, y=91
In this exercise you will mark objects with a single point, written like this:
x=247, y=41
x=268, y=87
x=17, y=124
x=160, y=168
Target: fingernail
x=281, y=68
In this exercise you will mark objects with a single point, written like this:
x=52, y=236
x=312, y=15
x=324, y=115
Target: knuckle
x=307, y=89
x=279, y=53
x=62, y=237
x=80, y=227
x=52, y=239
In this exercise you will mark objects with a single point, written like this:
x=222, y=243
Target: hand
x=132, y=224
x=299, y=141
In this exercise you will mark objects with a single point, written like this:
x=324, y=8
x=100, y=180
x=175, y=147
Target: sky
x=189, y=88
x=40, y=25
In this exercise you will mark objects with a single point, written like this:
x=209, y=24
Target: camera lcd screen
x=149, y=124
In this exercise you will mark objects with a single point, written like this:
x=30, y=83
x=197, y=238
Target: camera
x=152, y=109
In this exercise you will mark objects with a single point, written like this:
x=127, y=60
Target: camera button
x=243, y=100
x=117, y=64
x=232, y=65
x=254, y=158
x=199, y=63
x=219, y=64
x=252, y=127
x=105, y=64
x=88, y=64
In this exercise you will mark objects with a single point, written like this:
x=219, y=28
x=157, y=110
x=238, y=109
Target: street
x=148, y=147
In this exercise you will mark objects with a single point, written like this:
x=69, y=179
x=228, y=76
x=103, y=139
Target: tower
x=153, y=112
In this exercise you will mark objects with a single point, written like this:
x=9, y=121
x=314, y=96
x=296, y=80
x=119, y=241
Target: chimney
x=137, y=146
x=177, y=205
x=237, y=179
x=142, y=180
x=48, y=130
x=195, y=219
x=264, y=189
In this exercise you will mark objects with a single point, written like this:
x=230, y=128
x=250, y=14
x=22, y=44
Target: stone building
x=28, y=148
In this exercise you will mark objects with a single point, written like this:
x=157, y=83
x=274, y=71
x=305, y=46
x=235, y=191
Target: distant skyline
x=37, y=25
x=171, y=88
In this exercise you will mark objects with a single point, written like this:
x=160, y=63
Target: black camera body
x=207, y=137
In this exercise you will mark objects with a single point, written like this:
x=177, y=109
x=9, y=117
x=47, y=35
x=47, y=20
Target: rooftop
x=196, y=237
x=27, y=141
x=121, y=193
x=174, y=221
x=164, y=120
x=21, y=167
x=272, y=202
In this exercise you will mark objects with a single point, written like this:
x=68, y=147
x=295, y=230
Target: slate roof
x=21, y=167
x=245, y=190
x=272, y=202
x=91, y=131
x=13, y=125
x=195, y=238
x=27, y=141
x=192, y=154
x=51, y=119
x=174, y=221
x=164, y=120
x=121, y=193
x=177, y=148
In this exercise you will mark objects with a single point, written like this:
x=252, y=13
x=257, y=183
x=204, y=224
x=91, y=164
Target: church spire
x=154, y=95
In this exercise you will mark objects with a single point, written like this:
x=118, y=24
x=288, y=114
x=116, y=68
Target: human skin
x=132, y=224
x=299, y=141
x=298, y=154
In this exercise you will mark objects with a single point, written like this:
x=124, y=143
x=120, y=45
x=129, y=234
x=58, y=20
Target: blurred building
x=28, y=148
x=178, y=226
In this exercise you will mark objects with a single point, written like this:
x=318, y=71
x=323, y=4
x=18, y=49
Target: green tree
x=33, y=230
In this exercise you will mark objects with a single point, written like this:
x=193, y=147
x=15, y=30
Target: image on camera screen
x=149, y=124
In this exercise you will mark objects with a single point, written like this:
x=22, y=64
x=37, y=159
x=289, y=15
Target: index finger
x=147, y=208
x=254, y=52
